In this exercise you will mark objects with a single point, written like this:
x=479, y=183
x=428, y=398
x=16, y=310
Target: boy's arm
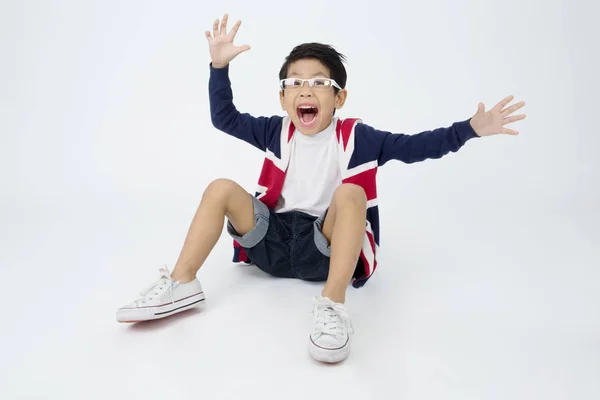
x=425, y=145
x=254, y=130
x=439, y=142
x=225, y=117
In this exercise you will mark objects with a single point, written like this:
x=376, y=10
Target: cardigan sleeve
x=257, y=131
x=411, y=148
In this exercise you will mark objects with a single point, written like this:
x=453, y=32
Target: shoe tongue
x=329, y=313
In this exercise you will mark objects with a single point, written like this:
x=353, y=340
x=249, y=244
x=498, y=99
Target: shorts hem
x=261, y=226
x=321, y=241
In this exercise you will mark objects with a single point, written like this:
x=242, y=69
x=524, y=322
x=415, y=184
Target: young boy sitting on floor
x=315, y=214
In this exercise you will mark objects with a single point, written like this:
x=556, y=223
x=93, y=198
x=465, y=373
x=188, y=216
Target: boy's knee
x=219, y=189
x=350, y=193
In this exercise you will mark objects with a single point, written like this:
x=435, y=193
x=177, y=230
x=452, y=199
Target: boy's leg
x=344, y=228
x=222, y=198
x=180, y=290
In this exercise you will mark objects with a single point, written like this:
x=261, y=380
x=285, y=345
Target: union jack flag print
x=272, y=176
x=361, y=150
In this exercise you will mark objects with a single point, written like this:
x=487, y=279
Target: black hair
x=326, y=54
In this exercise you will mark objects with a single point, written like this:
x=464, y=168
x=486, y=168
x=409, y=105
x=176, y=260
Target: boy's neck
x=328, y=127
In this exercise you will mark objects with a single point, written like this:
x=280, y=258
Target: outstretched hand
x=492, y=122
x=222, y=50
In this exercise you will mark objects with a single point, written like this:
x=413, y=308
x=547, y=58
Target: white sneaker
x=163, y=298
x=330, y=341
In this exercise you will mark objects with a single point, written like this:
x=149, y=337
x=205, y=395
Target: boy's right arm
x=255, y=130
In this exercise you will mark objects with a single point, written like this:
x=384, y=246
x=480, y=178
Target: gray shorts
x=288, y=245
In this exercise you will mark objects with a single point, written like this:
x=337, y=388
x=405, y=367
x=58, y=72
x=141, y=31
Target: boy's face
x=310, y=109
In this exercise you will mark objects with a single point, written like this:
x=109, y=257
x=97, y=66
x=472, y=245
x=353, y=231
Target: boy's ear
x=340, y=98
x=281, y=99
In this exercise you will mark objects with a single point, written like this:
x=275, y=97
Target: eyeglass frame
x=311, y=82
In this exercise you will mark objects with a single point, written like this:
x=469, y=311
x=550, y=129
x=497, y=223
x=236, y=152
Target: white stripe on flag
x=369, y=255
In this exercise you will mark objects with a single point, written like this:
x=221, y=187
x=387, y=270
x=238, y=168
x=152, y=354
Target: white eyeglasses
x=315, y=83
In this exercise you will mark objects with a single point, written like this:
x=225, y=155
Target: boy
x=315, y=215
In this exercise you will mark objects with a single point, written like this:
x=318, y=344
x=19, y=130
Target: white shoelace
x=331, y=319
x=153, y=290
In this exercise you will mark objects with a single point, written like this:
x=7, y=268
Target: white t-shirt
x=313, y=173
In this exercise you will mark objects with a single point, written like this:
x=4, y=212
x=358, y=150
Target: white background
x=490, y=264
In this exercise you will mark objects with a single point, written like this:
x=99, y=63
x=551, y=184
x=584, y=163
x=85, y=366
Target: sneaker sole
x=328, y=355
x=141, y=314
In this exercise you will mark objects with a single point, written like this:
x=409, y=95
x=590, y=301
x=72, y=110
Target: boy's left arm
x=439, y=142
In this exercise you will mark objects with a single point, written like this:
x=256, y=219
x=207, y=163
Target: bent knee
x=220, y=189
x=350, y=193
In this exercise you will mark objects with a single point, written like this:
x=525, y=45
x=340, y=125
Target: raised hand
x=222, y=50
x=492, y=122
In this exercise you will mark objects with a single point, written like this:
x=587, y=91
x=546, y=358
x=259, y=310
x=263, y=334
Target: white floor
x=468, y=303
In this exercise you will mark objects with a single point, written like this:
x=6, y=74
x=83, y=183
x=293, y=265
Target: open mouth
x=307, y=114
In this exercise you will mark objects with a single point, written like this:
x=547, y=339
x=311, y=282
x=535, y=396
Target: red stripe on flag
x=365, y=264
x=291, y=130
x=366, y=180
x=272, y=178
x=242, y=256
x=372, y=241
x=346, y=130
